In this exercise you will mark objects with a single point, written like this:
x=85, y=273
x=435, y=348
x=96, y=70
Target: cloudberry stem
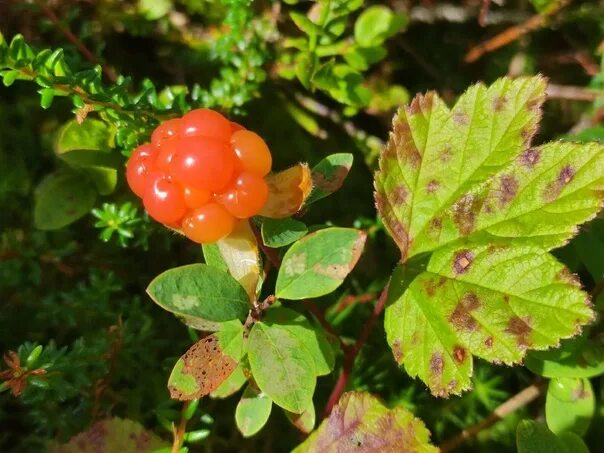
x=352, y=353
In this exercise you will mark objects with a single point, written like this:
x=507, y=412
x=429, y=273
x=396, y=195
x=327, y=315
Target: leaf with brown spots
x=287, y=192
x=112, y=435
x=319, y=262
x=360, y=422
x=464, y=185
x=498, y=304
x=440, y=155
x=329, y=175
x=207, y=364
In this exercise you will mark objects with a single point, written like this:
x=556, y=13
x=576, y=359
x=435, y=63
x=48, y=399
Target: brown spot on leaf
x=488, y=342
x=554, y=188
x=446, y=154
x=499, y=103
x=521, y=329
x=432, y=186
x=566, y=276
x=460, y=118
x=399, y=195
x=207, y=364
x=459, y=354
x=421, y=103
x=437, y=364
x=462, y=261
x=436, y=225
x=462, y=317
x=464, y=213
x=452, y=385
x=530, y=157
x=508, y=188
x=397, y=350
x=331, y=183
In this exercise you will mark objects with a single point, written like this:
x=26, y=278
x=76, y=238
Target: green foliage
x=254, y=347
x=489, y=288
x=318, y=263
x=199, y=291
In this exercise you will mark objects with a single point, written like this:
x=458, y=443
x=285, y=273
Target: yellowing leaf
x=462, y=189
x=240, y=254
x=288, y=190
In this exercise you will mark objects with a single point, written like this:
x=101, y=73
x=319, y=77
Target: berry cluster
x=200, y=173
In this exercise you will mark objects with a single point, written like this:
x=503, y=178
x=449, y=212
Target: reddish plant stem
x=85, y=51
x=351, y=353
x=179, y=432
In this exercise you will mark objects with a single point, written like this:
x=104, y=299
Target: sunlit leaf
x=360, y=422
x=318, y=263
x=465, y=185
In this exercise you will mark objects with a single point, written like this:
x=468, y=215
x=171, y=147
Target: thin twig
x=513, y=33
x=85, y=51
x=573, y=93
x=513, y=404
x=353, y=352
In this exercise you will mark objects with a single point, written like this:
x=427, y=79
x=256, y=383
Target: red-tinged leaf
x=110, y=436
x=360, y=422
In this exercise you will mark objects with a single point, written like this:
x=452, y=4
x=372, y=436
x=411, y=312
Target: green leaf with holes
x=360, y=422
x=207, y=364
x=253, y=411
x=462, y=189
x=318, y=263
x=200, y=291
x=62, y=198
x=282, y=366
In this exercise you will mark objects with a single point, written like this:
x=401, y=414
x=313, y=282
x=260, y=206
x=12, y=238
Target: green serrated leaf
x=315, y=339
x=464, y=184
x=569, y=405
x=282, y=367
x=360, y=422
x=491, y=300
x=318, y=263
x=62, y=198
x=207, y=364
x=281, y=232
x=329, y=175
x=200, y=291
x=253, y=411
